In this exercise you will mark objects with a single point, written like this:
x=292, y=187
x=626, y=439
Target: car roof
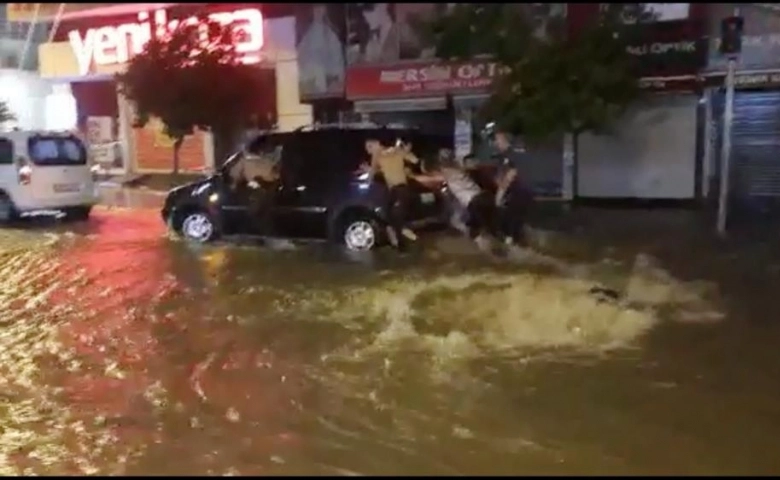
x=17, y=135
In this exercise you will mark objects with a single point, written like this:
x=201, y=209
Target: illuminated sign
x=117, y=44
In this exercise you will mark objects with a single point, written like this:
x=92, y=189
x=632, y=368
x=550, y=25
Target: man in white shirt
x=478, y=204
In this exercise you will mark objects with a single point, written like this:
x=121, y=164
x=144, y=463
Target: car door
x=300, y=209
x=234, y=194
x=426, y=202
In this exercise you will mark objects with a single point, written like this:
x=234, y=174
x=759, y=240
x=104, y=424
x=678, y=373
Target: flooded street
x=123, y=351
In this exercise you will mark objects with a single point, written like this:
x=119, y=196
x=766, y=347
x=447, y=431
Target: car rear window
x=56, y=151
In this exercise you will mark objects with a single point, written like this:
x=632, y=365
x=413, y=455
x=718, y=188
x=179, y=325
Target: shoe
x=410, y=235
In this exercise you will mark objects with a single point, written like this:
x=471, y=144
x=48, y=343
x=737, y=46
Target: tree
x=6, y=115
x=192, y=78
x=553, y=84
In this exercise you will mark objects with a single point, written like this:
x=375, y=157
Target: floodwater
x=123, y=351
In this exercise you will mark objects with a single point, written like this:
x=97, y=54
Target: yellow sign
x=25, y=12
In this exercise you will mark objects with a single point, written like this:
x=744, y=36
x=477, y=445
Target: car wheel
x=7, y=209
x=198, y=226
x=79, y=213
x=361, y=234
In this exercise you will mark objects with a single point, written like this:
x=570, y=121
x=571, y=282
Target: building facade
x=90, y=47
x=20, y=36
x=366, y=61
x=655, y=151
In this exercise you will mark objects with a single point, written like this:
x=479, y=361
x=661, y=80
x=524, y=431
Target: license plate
x=66, y=187
x=427, y=198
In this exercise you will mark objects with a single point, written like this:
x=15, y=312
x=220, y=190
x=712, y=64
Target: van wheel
x=360, y=233
x=197, y=226
x=7, y=209
x=79, y=213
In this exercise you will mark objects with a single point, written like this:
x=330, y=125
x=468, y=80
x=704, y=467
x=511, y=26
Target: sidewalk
x=123, y=197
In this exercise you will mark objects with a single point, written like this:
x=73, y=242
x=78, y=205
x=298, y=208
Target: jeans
x=482, y=214
x=514, y=212
x=399, y=198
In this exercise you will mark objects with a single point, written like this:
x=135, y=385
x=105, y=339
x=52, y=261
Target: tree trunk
x=177, y=143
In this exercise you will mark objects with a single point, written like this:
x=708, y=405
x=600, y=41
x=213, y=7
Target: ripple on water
x=67, y=351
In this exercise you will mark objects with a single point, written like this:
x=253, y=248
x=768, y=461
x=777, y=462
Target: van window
x=6, y=152
x=56, y=151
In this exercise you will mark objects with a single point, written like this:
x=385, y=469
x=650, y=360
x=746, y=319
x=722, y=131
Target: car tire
x=7, y=209
x=360, y=233
x=79, y=213
x=197, y=226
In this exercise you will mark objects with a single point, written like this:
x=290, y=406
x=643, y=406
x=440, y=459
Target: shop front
x=655, y=150
x=89, y=49
x=444, y=99
x=755, y=131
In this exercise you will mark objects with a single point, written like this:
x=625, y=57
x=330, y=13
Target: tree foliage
x=555, y=83
x=192, y=78
x=6, y=115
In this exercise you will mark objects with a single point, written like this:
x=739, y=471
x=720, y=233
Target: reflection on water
x=124, y=352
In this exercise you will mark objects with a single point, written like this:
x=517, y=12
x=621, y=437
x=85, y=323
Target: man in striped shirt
x=478, y=204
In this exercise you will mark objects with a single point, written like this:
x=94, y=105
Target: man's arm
x=411, y=158
x=370, y=167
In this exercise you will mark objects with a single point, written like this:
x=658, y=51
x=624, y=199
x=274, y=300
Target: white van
x=44, y=171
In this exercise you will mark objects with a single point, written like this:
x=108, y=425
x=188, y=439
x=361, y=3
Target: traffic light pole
x=725, y=154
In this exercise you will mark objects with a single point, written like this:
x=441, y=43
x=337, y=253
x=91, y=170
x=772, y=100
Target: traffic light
x=731, y=35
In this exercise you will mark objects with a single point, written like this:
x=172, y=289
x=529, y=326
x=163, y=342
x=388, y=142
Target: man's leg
x=398, y=210
x=478, y=214
x=517, y=210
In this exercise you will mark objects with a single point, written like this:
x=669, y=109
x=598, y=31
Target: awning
x=469, y=101
x=405, y=105
x=97, y=77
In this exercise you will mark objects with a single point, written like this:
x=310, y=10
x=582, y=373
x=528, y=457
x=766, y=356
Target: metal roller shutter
x=756, y=144
x=651, y=154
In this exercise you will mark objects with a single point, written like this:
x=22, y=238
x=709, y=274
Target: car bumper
x=28, y=207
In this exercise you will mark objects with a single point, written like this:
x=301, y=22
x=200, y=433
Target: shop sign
x=668, y=48
x=689, y=83
x=111, y=45
x=747, y=80
x=420, y=80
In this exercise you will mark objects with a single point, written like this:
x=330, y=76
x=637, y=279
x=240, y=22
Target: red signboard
x=410, y=80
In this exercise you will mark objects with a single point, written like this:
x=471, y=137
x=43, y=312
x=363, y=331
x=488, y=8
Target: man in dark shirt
x=513, y=195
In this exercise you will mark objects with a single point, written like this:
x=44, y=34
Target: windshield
x=51, y=150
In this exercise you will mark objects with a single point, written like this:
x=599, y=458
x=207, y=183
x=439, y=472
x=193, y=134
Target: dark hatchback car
x=321, y=194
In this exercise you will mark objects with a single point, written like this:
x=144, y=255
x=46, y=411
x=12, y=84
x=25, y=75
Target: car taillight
x=25, y=175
